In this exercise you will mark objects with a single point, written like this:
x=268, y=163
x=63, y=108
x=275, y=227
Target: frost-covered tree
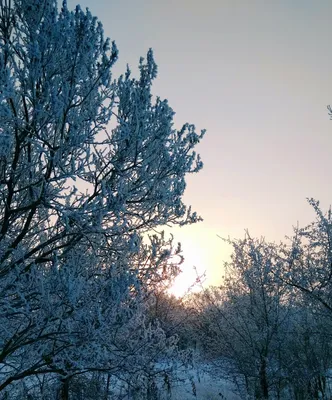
x=307, y=260
x=241, y=323
x=270, y=320
x=88, y=166
x=306, y=267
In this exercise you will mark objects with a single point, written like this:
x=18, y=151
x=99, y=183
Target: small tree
x=242, y=322
x=271, y=318
x=306, y=267
x=77, y=196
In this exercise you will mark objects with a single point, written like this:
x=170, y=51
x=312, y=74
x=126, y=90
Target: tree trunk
x=64, y=390
x=263, y=379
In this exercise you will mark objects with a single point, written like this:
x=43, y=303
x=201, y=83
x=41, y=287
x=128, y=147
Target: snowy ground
x=206, y=388
x=199, y=383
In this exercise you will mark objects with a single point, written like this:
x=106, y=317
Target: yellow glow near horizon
x=184, y=282
x=194, y=264
x=204, y=250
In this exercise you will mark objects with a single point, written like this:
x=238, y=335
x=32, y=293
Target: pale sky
x=256, y=75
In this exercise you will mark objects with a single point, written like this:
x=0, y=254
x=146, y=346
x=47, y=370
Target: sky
x=257, y=76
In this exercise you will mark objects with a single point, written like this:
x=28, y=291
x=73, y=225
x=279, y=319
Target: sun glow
x=192, y=267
